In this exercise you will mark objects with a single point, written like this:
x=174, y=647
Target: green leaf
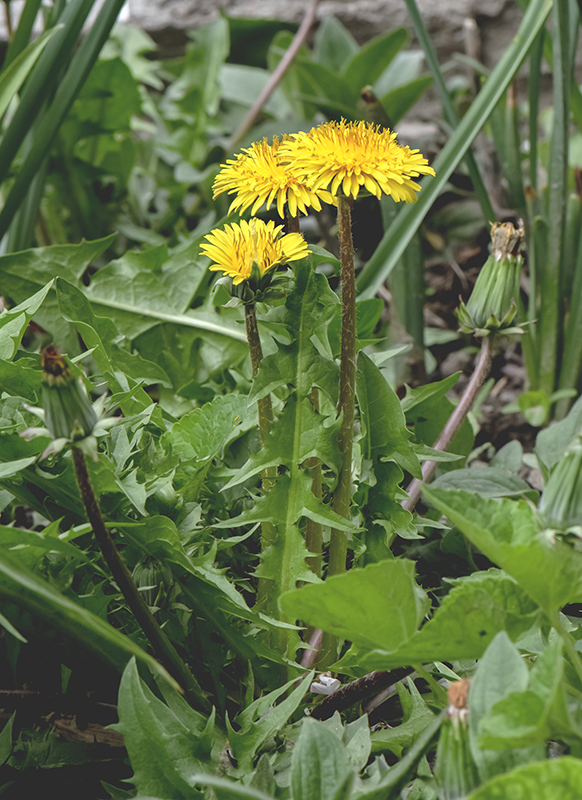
x=23, y=274
x=416, y=716
x=507, y=533
x=299, y=434
x=552, y=443
x=164, y=752
x=353, y=606
x=434, y=391
x=502, y=670
x=533, y=715
x=6, y=740
x=555, y=779
x=225, y=789
x=487, y=482
x=13, y=323
x=474, y=611
x=400, y=100
x=386, y=435
x=52, y=610
x=262, y=720
x=334, y=45
x=13, y=76
x=366, y=66
x=319, y=765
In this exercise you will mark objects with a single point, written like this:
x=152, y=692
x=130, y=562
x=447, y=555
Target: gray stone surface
x=496, y=20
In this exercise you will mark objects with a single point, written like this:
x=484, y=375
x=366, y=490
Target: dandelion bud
x=68, y=410
x=455, y=771
x=492, y=306
x=561, y=500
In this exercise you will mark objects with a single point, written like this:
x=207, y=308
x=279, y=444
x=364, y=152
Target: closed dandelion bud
x=561, y=500
x=492, y=306
x=154, y=579
x=455, y=771
x=68, y=412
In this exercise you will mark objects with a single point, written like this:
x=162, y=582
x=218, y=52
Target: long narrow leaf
x=12, y=77
x=551, y=277
x=42, y=80
x=68, y=90
x=409, y=219
x=449, y=110
x=23, y=31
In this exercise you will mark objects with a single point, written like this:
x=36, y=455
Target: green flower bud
x=67, y=407
x=561, y=500
x=156, y=579
x=492, y=306
x=455, y=771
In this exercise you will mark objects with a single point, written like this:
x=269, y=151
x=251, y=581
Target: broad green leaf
x=13, y=323
x=474, y=611
x=502, y=670
x=487, y=482
x=554, y=779
x=416, y=716
x=10, y=468
x=24, y=274
x=53, y=610
x=408, y=220
x=401, y=99
x=534, y=714
x=164, y=752
x=319, y=765
x=262, y=720
x=140, y=290
x=242, y=84
x=366, y=66
x=434, y=391
x=334, y=45
x=507, y=533
x=202, y=434
x=118, y=367
x=386, y=435
x=299, y=434
x=378, y=606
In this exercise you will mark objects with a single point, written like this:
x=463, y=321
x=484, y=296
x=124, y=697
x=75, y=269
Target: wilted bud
x=561, y=500
x=455, y=771
x=68, y=413
x=492, y=306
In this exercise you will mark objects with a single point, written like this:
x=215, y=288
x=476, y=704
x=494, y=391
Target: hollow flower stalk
x=258, y=176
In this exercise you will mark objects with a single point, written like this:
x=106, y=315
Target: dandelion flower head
x=355, y=155
x=257, y=176
x=235, y=249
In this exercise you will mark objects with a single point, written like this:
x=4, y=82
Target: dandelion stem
x=342, y=495
x=313, y=534
x=338, y=546
x=160, y=643
x=454, y=423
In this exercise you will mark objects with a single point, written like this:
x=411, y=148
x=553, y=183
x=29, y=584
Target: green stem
x=266, y=595
x=162, y=646
x=313, y=533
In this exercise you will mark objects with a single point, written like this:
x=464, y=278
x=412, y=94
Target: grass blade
x=23, y=31
x=449, y=110
x=66, y=93
x=409, y=219
x=13, y=76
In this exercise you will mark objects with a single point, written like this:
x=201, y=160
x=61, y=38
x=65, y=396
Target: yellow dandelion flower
x=239, y=246
x=257, y=176
x=352, y=155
